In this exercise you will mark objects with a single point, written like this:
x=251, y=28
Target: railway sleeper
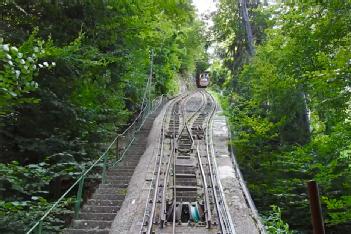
x=186, y=183
x=185, y=151
x=181, y=170
x=184, y=157
x=185, y=171
x=190, y=175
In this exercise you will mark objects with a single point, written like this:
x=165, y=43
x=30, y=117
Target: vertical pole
x=150, y=80
x=40, y=227
x=147, y=87
x=79, y=197
x=117, y=149
x=134, y=129
x=315, y=205
x=131, y=134
x=140, y=121
x=104, y=168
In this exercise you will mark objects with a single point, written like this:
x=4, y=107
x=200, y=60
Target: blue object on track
x=195, y=214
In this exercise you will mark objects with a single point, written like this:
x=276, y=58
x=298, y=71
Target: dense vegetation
x=72, y=75
x=289, y=104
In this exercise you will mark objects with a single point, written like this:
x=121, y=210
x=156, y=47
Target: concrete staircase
x=98, y=213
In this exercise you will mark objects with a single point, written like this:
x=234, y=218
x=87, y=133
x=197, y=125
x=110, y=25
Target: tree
x=288, y=107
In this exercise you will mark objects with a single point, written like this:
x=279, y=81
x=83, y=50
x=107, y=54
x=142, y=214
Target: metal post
x=130, y=135
x=139, y=124
x=315, y=205
x=104, y=168
x=117, y=149
x=40, y=227
x=144, y=113
x=133, y=129
x=79, y=198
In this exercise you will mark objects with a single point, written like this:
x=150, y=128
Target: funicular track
x=185, y=194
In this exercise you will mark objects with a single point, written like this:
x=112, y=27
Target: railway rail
x=185, y=194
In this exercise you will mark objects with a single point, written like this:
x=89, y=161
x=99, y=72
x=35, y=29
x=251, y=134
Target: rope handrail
x=80, y=180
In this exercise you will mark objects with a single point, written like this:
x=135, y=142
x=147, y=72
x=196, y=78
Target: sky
x=204, y=6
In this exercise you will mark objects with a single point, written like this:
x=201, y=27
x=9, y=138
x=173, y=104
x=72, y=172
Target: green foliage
x=289, y=107
x=18, y=68
x=18, y=215
x=24, y=180
x=54, y=122
x=274, y=223
x=230, y=32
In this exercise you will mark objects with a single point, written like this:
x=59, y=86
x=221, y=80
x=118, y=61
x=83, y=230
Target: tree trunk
x=306, y=117
x=247, y=26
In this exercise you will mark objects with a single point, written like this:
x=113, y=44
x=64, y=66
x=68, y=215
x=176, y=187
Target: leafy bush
x=274, y=223
x=289, y=105
x=19, y=215
x=18, y=67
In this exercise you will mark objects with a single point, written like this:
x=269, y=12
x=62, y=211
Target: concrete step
x=91, y=224
x=97, y=216
x=113, y=175
x=100, y=209
x=133, y=151
x=108, y=189
x=85, y=231
x=125, y=167
x=139, y=146
x=116, y=180
x=118, y=177
x=103, y=196
x=120, y=173
x=129, y=162
x=115, y=184
x=133, y=156
x=99, y=202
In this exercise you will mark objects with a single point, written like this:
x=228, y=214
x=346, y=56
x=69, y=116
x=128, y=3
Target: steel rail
x=206, y=194
x=174, y=181
x=162, y=137
x=152, y=214
x=156, y=186
x=226, y=222
x=150, y=188
x=207, y=202
x=186, y=121
x=214, y=184
x=197, y=111
x=174, y=196
x=174, y=171
x=163, y=204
